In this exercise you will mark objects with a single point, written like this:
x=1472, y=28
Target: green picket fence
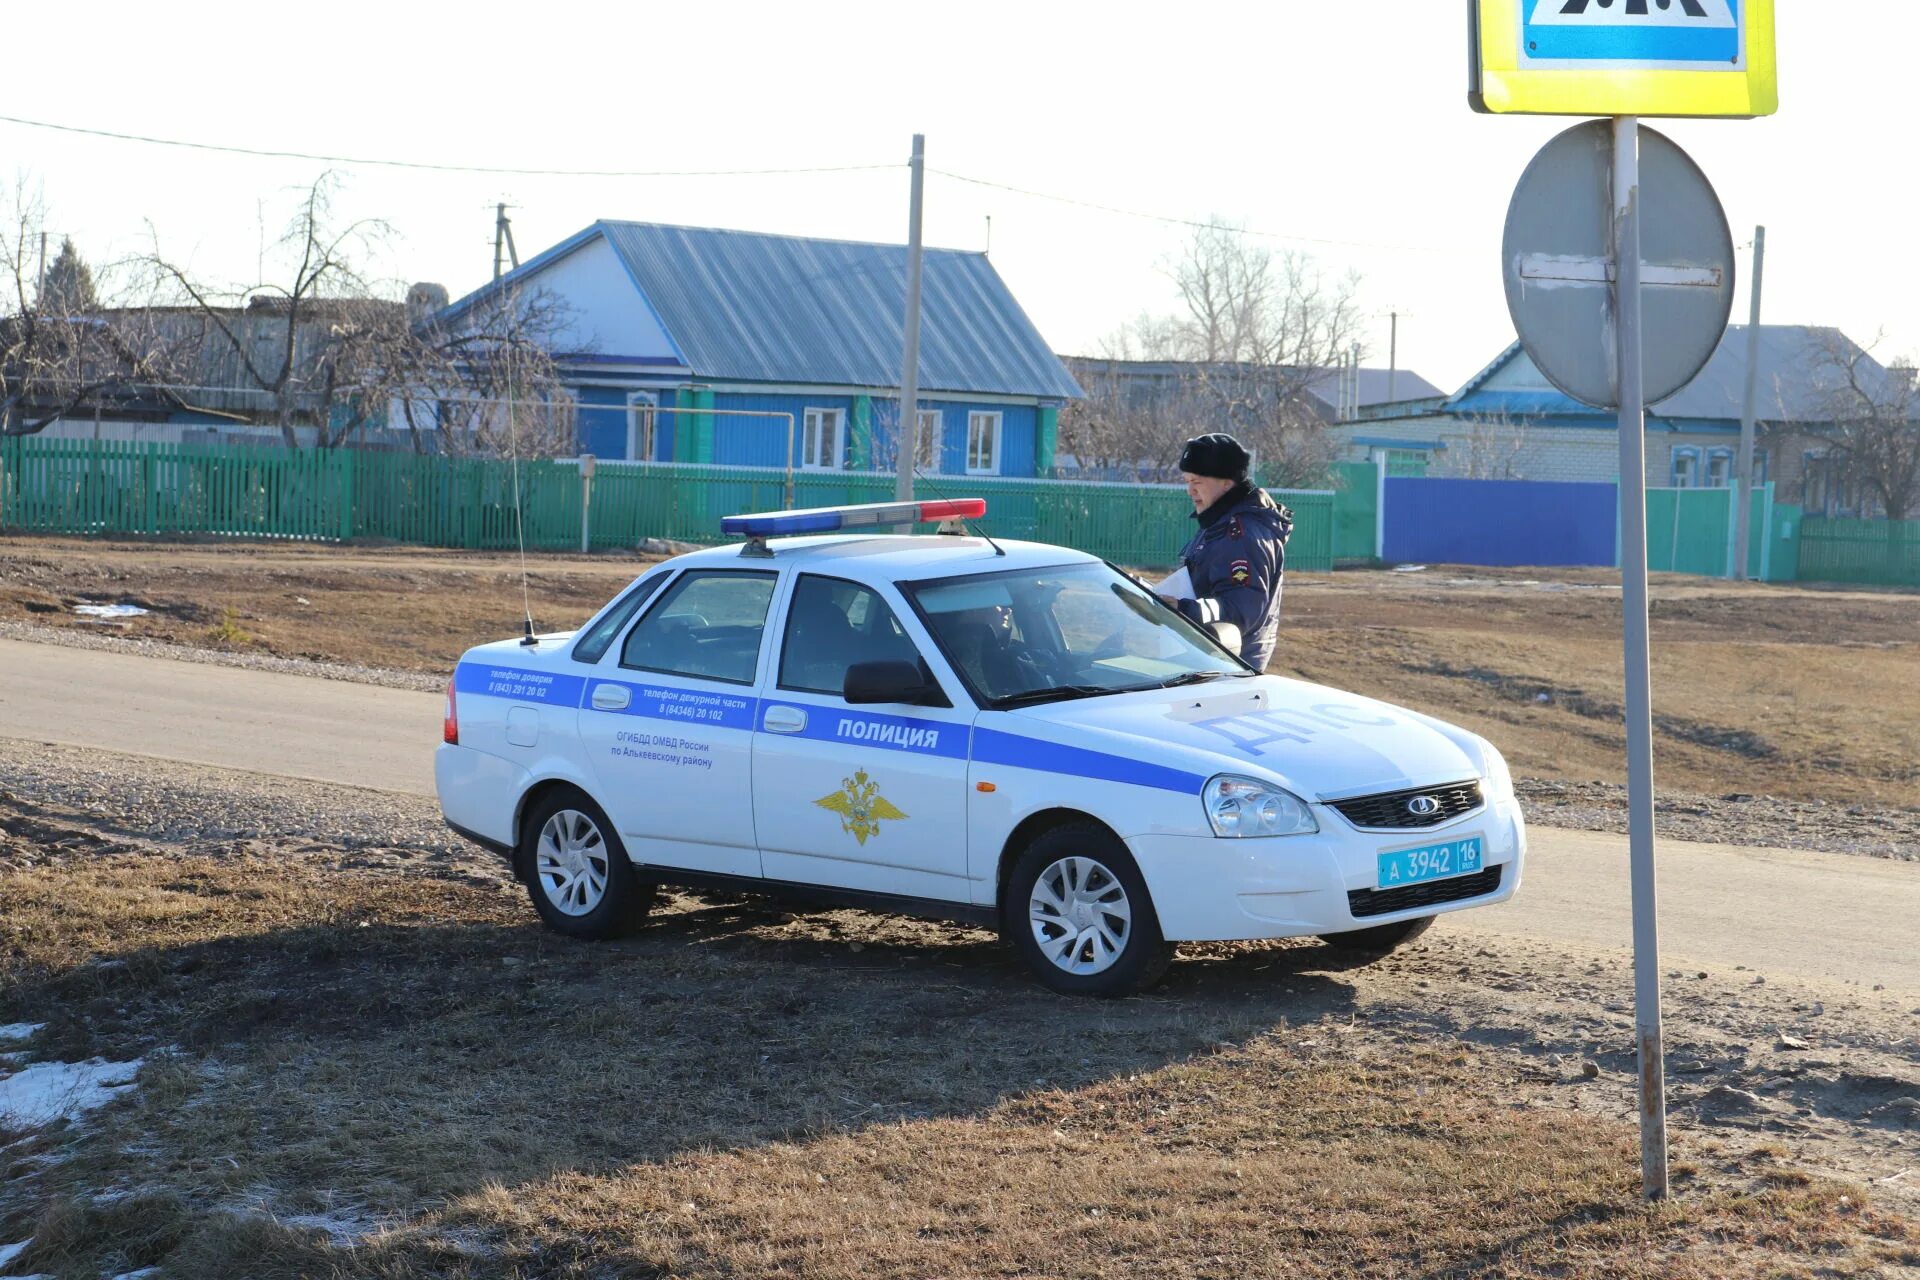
x=93, y=487
x=1884, y=553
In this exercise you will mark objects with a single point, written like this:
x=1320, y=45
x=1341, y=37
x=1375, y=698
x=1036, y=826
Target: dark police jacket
x=1236, y=562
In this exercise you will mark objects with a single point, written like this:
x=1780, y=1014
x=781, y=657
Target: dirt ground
x=361, y=1056
x=1792, y=693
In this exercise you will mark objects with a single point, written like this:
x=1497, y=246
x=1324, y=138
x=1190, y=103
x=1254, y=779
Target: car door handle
x=784, y=720
x=611, y=697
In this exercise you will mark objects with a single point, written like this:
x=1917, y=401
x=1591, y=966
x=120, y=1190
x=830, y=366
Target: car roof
x=893, y=557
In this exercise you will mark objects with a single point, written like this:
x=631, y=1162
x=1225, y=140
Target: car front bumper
x=1209, y=889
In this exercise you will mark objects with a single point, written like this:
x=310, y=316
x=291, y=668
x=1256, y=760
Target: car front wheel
x=577, y=871
x=1077, y=909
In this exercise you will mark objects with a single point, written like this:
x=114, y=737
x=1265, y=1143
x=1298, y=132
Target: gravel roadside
x=140, y=803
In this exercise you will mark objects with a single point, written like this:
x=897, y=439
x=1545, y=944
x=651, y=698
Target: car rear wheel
x=1077, y=910
x=1380, y=939
x=577, y=871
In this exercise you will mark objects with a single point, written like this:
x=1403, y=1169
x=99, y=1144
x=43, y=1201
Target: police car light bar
x=776, y=524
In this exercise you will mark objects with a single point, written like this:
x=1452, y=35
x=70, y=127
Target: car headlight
x=1497, y=780
x=1248, y=807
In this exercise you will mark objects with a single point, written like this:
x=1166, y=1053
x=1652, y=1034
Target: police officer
x=1237, y=558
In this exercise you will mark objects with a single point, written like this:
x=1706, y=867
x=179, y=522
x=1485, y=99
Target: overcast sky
x=1338, y=126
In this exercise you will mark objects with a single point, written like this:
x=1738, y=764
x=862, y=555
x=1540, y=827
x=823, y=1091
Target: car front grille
x=1388, y=811
x=1428, y=893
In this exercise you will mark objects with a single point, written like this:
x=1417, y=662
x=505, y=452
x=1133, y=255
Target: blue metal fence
x=1498, y=522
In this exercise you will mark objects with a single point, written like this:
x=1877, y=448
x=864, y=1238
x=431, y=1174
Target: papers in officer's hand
x=1177, y=585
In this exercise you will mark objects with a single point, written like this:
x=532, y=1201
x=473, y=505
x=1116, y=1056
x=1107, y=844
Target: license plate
x=1430, y=862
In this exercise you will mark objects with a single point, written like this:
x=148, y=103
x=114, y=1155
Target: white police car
x=1014, y=735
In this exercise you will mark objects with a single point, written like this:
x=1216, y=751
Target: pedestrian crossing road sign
x=1623, y=57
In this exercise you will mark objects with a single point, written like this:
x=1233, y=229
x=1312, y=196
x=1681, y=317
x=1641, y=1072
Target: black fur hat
x=1218, y=455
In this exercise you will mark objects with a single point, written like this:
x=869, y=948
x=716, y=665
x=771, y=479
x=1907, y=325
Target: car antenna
x=940, y=493
x=528, y=640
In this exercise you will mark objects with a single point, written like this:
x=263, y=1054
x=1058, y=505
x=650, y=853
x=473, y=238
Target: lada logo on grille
x=1423, y=806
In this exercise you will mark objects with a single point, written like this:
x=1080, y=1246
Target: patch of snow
x=343, y=1231
x=49, y=1091
x=20, y=1030
x=8, y=1252
x=109, y=610
x=141, y=1274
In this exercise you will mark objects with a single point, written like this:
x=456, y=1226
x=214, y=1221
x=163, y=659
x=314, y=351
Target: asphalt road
x=1831, y=917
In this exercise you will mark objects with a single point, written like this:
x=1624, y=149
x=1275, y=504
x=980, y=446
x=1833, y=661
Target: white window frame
x=929, y=441
x=814, y=423
x=998, y=421
x=640, y=441
x=1706, y=469
x=1689, y=453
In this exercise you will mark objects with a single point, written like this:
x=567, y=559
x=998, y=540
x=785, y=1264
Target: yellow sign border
x=1504, y=88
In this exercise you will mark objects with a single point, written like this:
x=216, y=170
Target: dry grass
x=739, y=1091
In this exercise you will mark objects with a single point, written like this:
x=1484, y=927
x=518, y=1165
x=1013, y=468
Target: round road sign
x=1558, y=264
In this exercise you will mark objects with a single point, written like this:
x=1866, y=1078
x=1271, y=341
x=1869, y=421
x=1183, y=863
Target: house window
x=642, y=420
x=983, y=444
x=1719, y=468
x=1686, y=467
x=927, y=441
x=822, y=440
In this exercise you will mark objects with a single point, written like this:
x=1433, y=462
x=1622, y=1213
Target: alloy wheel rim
x=1080, y=916
x=571, y=862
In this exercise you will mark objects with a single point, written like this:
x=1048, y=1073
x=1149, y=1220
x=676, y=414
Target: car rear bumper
x=478, y=794
x=1207, y=889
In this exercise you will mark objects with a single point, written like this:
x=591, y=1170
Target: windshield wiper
x=1052, y=693
x=1188, y=677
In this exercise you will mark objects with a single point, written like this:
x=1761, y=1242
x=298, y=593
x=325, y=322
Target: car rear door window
x=707, y=625
x=594, y=642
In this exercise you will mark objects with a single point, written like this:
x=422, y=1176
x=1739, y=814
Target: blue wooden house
x=666, y=321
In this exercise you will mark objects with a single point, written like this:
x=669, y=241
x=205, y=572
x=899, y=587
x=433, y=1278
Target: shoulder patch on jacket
x=1241, y=571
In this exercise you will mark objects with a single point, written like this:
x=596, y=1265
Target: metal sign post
x=1574, y=278
x=1639, y=713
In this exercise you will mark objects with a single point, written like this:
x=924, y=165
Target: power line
x=437, y=168
x=1192, y=222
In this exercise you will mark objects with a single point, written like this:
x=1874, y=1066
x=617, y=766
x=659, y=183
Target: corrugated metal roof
x=1801, y=370
x=1145, y=378
x=766, y=308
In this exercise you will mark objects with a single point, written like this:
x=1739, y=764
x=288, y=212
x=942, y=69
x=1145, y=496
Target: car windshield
x=1038, y=635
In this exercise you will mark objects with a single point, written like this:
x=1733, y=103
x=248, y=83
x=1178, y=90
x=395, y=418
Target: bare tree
x=1493, y=447
x=1258, y=334
x=61, y=348
x=1875, y=432
x=319, y=341
x=485, y=381
x=1131, y=426
x=266, y=333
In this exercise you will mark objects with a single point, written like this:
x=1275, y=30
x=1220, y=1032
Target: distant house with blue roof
x=666, y=322
x=1509, y=422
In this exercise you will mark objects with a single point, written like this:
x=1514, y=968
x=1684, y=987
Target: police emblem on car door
x=861, y=807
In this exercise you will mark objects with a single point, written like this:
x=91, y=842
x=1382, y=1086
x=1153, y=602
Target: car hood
x=1318, y=742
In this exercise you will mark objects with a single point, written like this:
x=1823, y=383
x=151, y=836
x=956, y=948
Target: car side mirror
x=891, y=682
x=1227, y=634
